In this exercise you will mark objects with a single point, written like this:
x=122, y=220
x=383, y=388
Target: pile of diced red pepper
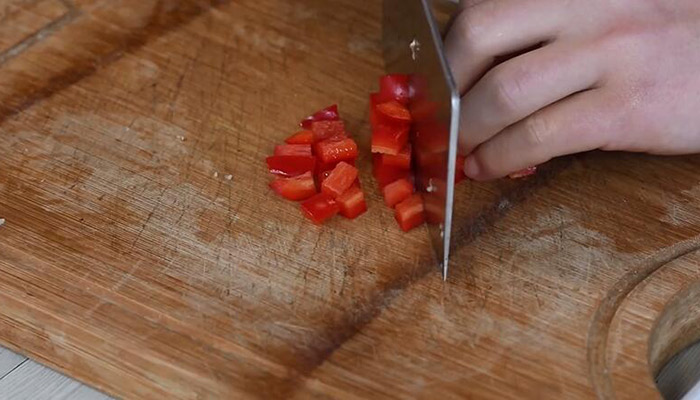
x=317, y=166
x=391, y=120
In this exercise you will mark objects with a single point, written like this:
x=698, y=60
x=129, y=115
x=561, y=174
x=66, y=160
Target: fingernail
x=471, y=167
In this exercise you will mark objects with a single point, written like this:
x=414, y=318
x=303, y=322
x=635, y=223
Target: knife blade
x=412, y=45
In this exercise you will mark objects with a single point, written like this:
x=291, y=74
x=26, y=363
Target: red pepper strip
x=290, y=165
x=385, y=174
x=389, y=139
x=394, y=87
x=328, y=129
x=410, y=213
x=524, y=173
x=301, y=137
x=394, y=112
x=352, y=203
x=340, y=180
x=298, y=188
x=329, y=113
x=401, y=160
x=334, y=150
x=397, y=191
x=320, y=208
x=293, y=150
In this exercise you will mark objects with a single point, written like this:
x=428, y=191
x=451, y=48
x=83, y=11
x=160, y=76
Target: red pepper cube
x=434, y=208
x=431, y=137
x=394, y=87
x=423, y=110
x=290, y=165
x=329, y=113
x=323, y=167
x=301, y=137
x=320, y=208
x=328, y=129
x=410, y=213
x=393, y=112
x=524, y=173
x=335, y=150
x=340, y=179
x=297, y=188
x=397, y=191
x=389, y=139
x=323, y=170
x=352, y=203
x=321, y=177
x=385, y=174
x=401, y=160
x=293, y=150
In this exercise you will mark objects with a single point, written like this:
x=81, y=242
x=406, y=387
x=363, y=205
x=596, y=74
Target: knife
x=413, y=45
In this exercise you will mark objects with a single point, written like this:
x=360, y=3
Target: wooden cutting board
x=144, y=254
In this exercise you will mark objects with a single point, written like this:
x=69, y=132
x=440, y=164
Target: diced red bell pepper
x=339, y=180
x=352, y=203
x=410, y=213
x=334, y=150
x=320, y=208
x=394, y=87
x=329, y=113
x=397, y=191
x=401, y=160
x=328, y=129
x=301, y=137
x=431, y=164
x=321, y=177
x=323, y=167
x=524, y=173
x=423, y=110
x=434, y=208
x=459, y=172
x=293, y=150
x=393, y=112
x=385, y=174
x=297, y=188
x=431, y=137
x=389, y=139
x=290, y=165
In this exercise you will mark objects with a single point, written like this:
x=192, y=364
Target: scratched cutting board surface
x=144, y=254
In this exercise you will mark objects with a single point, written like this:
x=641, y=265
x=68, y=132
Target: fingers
x=484, y=30
x=521, y=86
x=580, y=123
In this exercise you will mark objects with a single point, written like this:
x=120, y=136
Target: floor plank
x=36, y=382
x=9, y=360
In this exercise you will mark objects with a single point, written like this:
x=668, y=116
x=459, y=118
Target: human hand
x=610, y=75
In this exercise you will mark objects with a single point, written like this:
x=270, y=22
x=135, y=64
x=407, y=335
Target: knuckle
x=507, y=90
x=538, y=130
x=471, y=28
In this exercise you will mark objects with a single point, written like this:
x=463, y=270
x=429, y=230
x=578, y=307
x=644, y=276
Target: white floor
x=23, y=379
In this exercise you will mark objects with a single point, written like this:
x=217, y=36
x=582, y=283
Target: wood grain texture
x=31, y=381
x=126, y=263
